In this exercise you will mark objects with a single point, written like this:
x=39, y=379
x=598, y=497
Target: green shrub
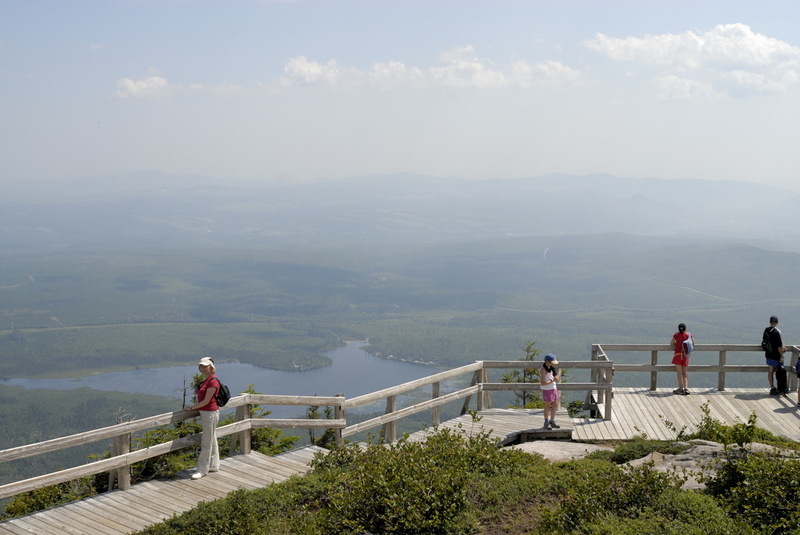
x=602, y=455
x=637, y=448
x=653, y=524
x=513, y=492
x=589, y=489
x=762, y=489
x=409, y=487
x=50, y=496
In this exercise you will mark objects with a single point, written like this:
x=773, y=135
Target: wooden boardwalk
x=639, y=411
x=507, y=426
x=148, y=503
x=636, y=412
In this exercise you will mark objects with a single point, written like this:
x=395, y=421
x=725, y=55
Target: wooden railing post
x=600, y=380
x=723, y=357
x=608, y=377
x=338, y=413
x=484, y=398
x=243, y=438
x=122, y=445
x=588, y=401
x=390, y=428
x=435, y=387
x=476, y=378
x=653, y=374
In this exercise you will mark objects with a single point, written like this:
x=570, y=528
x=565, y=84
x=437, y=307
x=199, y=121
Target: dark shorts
x=774, y=363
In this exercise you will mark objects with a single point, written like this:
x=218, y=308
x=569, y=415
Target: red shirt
x=679, y=338
x=211, y=382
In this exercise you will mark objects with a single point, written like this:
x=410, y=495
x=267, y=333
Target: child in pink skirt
x=548, y=377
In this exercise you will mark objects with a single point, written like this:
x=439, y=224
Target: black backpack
x=223, y=394
x=766, y=344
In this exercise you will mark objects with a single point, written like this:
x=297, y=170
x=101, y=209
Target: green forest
x=71, y=314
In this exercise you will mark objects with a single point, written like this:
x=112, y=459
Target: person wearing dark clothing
x=773, y=353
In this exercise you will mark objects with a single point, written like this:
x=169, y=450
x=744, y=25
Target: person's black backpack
x=223, y=394
x=766, y=344
x=781, y=380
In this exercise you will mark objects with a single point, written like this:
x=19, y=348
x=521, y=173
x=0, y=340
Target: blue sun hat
x=550, y=358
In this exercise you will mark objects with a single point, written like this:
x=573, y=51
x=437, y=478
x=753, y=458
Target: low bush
x=409, y=487
x=739, y=433
x=588, y=490
x=636, y=449
x=762, y=489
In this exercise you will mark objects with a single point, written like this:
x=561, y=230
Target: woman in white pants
x=208, y=461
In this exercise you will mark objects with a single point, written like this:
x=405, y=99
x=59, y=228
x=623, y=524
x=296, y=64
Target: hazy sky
x=477, y=89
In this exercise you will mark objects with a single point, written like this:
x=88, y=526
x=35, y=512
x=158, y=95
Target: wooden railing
x=479, y=386
x=121, y=434
x=721, y=367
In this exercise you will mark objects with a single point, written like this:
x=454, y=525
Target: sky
x=308, y=89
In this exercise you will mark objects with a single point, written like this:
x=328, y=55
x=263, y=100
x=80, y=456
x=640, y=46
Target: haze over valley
x=437, y=270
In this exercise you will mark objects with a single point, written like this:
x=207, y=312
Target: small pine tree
x=328, y=437
x=267, y=441
x=526, y=398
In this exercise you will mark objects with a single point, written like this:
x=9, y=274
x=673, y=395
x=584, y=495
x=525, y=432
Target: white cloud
x=394, y=73
x=300, y=70
x=462, y=68
x=730, y=54
x=153, y=88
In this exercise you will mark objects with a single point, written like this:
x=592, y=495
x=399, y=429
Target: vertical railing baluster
x=435, y=393
x=122, y=445
x=243, y=438
x=338, y=413
x=390, y=428
x=654, y=374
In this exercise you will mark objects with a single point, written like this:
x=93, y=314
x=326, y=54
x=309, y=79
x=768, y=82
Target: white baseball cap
x=207, y=361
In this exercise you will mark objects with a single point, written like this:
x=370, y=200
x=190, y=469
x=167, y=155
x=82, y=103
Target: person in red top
x=208, y=460
x=681, y=359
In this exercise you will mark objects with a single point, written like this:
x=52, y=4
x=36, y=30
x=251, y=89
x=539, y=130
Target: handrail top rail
x=411, y=385
x=590, y=364
x=697, y=347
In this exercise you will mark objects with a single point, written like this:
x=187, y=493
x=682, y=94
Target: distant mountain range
x=156, y=209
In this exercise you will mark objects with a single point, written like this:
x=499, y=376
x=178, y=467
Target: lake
x=354, y=372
